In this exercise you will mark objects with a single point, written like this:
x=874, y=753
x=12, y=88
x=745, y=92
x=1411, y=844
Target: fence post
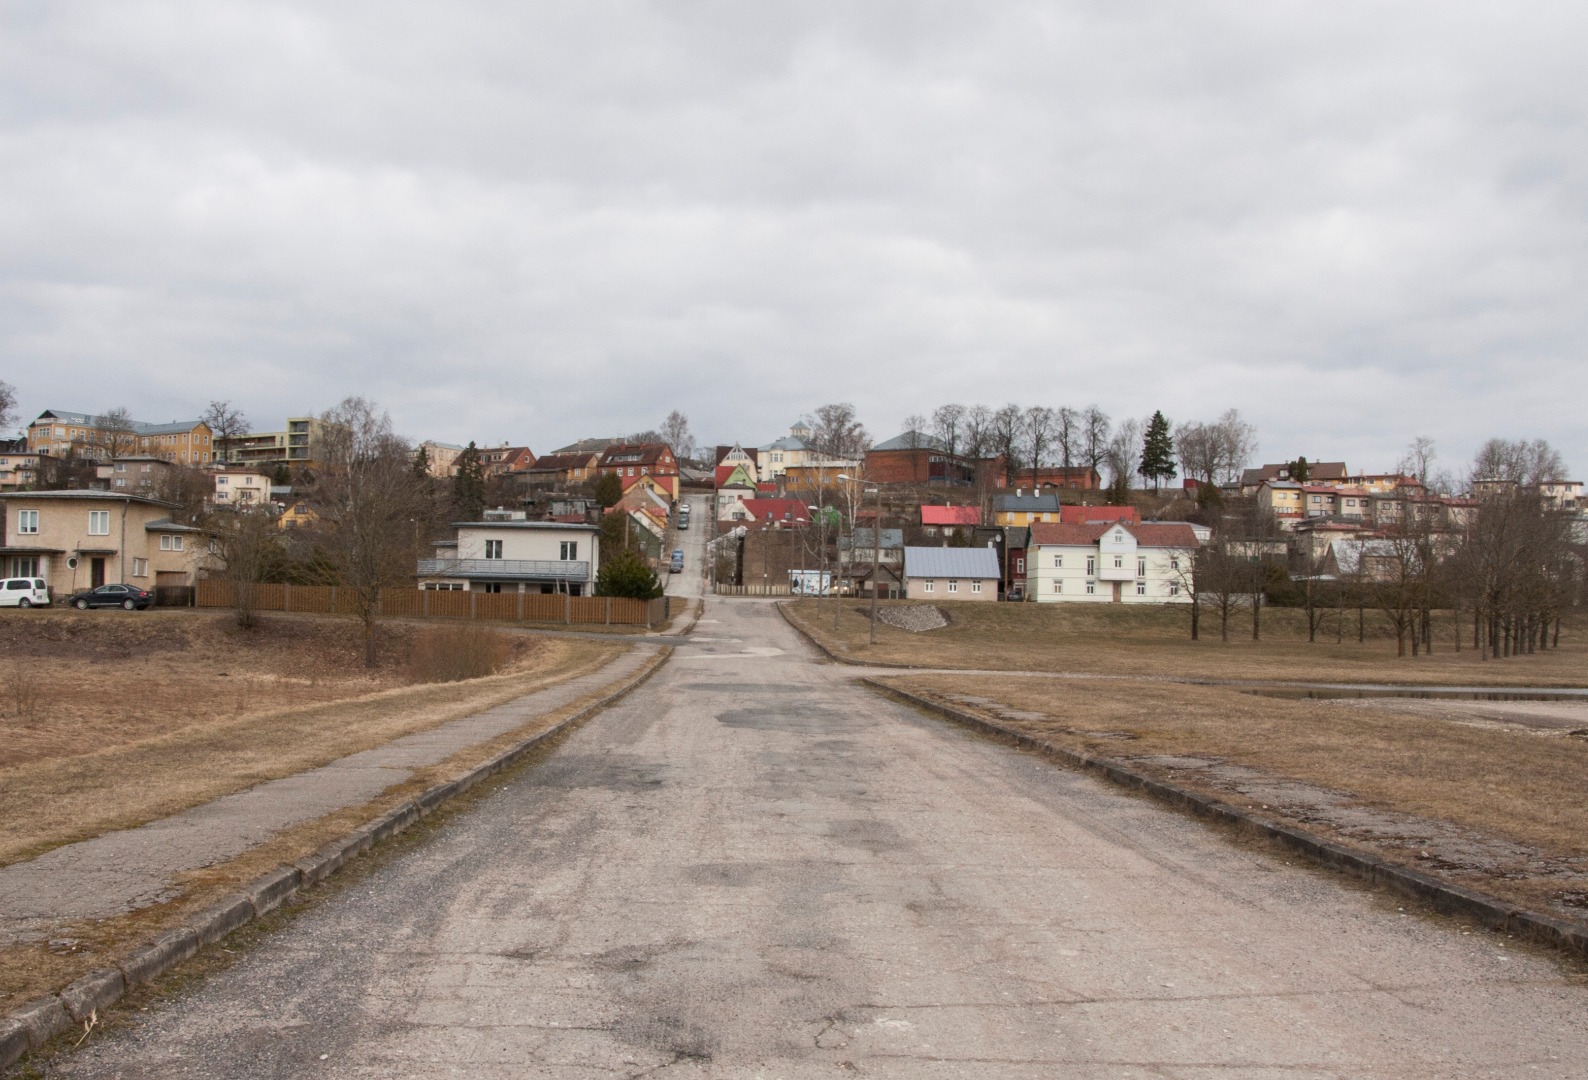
x=474, y=604
x=609, y=611
x=336, y=608
x=521, y=603
x=567, y=607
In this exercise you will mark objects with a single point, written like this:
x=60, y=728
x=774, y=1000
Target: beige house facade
x=82, y=539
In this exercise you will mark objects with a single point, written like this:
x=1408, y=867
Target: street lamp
x=876, y=559
x=837, y=607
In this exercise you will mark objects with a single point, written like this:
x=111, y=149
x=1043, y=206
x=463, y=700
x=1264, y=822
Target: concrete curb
x=837, y=658
x=29, y=1027
x=1564, y=934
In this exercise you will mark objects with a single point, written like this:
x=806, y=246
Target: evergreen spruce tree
x=608, y=490
x=626, y=574
x=421, y=465
x=468, y=485
x=1157, y=451
x=1300, y=471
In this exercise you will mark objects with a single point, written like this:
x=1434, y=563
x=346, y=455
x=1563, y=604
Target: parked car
x=24, y=592
x=123, y=596
x=677, y=566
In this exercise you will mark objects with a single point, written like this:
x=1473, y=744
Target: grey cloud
x=1356, y=223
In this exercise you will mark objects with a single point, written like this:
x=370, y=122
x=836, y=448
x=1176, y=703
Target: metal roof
x=950, y=562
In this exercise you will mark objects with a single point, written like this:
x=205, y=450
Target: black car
x=123, y=596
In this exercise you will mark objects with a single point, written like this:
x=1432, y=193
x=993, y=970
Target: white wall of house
x=518, y=542
x=1107, y=572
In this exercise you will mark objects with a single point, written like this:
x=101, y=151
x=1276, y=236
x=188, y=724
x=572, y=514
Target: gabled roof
x=586, y=446
x=1080, y=515
x=787, y=442
x=1021, y=504
x=911, y=440
x=1162, y=534
x=950, y=515
x=775, y=510
x=950, y=562
x=623, y=454
x=561, y=462
x=732, y=476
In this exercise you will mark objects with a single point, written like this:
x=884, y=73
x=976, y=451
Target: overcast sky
x=523, y=221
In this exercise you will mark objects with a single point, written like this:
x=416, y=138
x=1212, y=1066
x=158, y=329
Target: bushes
x=455, y=653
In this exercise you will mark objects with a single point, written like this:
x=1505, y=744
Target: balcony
x=507, y=569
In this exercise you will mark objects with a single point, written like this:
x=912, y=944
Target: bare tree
x=1067, y=435
x=367, y=506
x=1418, y=460
x=226, y=424
x=838, y=434
x=8, y=406
x=1038, y=425
x=117, y=433
x=676, y=434
x=1006, y=435
x=1216, y=452
x=249, y=546
x=1521, y=461
x=947, y=423
x=1124, y=454
x=1095, y=430
x=915, y=438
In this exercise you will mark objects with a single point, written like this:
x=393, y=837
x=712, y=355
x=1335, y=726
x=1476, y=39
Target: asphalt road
x=753, y=868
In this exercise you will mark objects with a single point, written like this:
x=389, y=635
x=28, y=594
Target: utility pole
x=876, y=560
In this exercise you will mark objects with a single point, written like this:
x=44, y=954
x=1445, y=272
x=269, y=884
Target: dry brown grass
x=1503, y=782
x=1111, y=639
x=30, y=970
x=453, y=653
x=169, y=712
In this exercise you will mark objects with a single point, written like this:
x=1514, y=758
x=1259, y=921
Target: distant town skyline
x=1356, y=225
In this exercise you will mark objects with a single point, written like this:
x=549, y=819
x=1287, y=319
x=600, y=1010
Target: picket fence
x=446, y=604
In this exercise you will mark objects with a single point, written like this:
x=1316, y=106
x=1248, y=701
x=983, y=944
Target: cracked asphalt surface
x=751, y=867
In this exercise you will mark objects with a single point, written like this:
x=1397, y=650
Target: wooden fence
x=753, y=590
x=446, y=604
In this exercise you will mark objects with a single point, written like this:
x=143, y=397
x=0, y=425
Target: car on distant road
x=24, y=592
x=677, y=566
x=123, y=596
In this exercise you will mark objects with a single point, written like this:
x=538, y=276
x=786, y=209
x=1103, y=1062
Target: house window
x=493, y=549
x=170, y=543
x=1091, y=588
x=1174, y=588
x=99, y=523
x=1174, y=562
x=1058, y=562
x=123, y=468
x=927, y=586
x=1091, y=564
x=975, y=586
x=1141, y=588
x=570, y=550
x=27, y=521
x=1020, y=565
x=140, y=568
x=1141, y=567
x=489, y=586
x=953, y=586
x=1058, y=585
x=1119, y=562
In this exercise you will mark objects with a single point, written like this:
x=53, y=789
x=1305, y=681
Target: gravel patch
x=916, y=619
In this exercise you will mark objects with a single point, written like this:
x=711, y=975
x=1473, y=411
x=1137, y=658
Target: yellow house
x=83, y=539
x=70, y=434
x=298, y=515
x=1021, y=509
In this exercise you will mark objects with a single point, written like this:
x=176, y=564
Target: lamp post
x=876, y=559
x=837, y=607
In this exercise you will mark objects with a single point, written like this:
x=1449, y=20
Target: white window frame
x=1174, y=588
x=1058, y=585
x=1091, y=564
x=99, y=523
x=1141, y=588
x=569, y=551
x=975, y=586
x=953, y=585
x=1058, y=562
x=1141, y=567
x=28, y=521
x=926, y=585
x=140, y=567
x=493, y=549
x=1091, y=588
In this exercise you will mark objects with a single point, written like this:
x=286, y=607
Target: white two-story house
x=516, y=556
x=1102, y=562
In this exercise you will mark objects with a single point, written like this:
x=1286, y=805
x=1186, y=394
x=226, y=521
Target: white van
x=24, y=592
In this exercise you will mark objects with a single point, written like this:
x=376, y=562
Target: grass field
x=1108, y=639
x=112, y=719
x=117, y=732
